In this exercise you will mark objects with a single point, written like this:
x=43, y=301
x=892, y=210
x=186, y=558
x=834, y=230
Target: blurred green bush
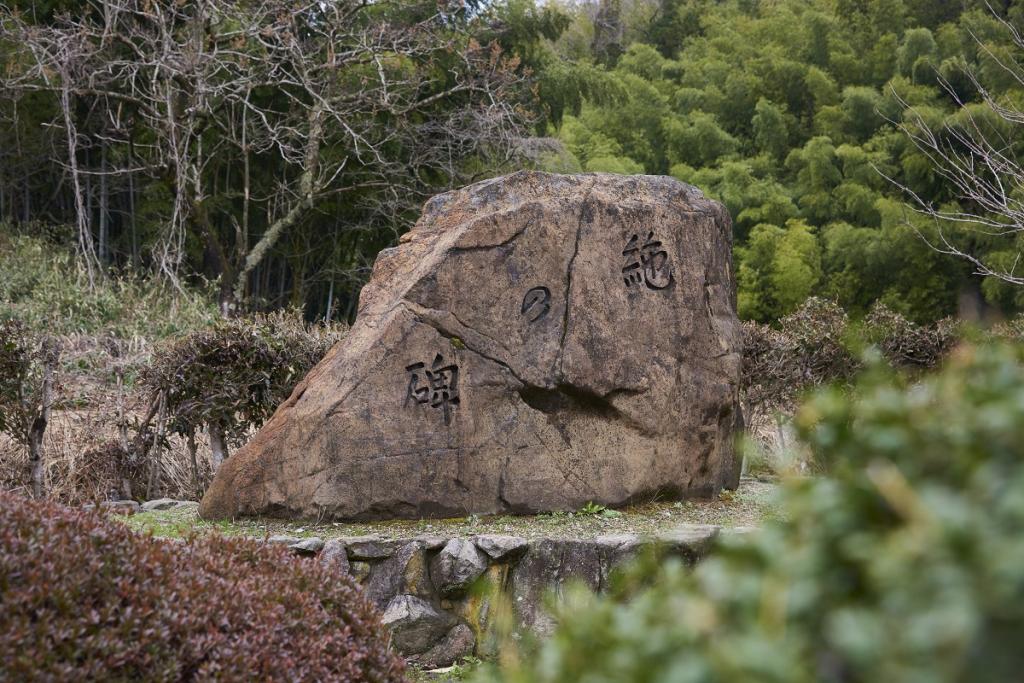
x=904, y=563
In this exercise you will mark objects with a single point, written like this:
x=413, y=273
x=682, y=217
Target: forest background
x=263, y=153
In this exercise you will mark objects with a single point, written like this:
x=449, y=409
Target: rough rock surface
x=458, y=643
x=335, y=556
x=457, y=566
x=372, y=548
x=404, y=572
x=416, y=625
x=499, y=547
x=534, y=343
x=307, y=546
x=282, y=539
x=547, y=566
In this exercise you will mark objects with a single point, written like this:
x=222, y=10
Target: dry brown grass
x=84, y=457
x=85, y=463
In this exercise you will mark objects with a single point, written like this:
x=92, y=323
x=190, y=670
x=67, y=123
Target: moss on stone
x=747, y=506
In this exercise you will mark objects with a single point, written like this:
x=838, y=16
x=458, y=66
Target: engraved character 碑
x=437, y=386
x=646, y=263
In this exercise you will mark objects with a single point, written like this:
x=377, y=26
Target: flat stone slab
x=535, y=343
x=167, y=504
x=499, y=547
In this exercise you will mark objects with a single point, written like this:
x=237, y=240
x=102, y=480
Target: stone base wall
x=429, y=587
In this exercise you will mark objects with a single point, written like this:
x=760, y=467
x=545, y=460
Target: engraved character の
x=536, y=303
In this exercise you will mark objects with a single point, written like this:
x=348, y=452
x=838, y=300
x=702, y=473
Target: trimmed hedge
x=234, y=374
x=818, y=344
x=84, y=598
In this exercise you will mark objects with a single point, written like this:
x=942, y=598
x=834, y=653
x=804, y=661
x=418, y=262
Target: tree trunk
x=154, y=453
x=330, y=303
x=304, y=202
x=122, y=430
x=104, y=243
x=38, y=429
x=131, y=216
x=218, y=445
x=28, y=201
x=85, y=243
x=192, y=457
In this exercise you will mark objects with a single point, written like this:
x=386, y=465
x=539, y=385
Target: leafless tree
x=257, y=113
x=976, y=154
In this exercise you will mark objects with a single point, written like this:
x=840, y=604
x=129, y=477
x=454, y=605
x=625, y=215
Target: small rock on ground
x=167, y=504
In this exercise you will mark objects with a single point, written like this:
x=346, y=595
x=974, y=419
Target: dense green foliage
x=86, y=598
x=905, y=563
x=788, y=112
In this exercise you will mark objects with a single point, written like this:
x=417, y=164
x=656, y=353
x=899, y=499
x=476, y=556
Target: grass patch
x=461, y=671
x=43, y=284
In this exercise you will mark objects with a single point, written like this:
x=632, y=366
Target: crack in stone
x=504, y=243
x=485, y=336
x=562, y=398
x=428, y=317
x=568, y=281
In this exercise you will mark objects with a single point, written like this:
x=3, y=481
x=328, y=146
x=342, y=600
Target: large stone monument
x=534, y=343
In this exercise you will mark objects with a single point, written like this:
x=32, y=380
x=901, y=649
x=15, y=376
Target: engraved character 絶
x=437, y=385
x=646, y=264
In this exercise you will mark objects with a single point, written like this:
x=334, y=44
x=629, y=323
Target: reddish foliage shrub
x=84, y=598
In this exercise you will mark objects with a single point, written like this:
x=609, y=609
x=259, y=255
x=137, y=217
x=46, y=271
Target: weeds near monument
x=818, y=344
x=28, y=365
